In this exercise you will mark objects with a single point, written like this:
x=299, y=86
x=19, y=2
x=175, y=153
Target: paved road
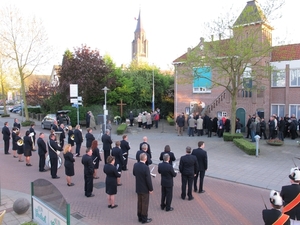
x=234, y=183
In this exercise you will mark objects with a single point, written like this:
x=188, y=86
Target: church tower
x=140, y=43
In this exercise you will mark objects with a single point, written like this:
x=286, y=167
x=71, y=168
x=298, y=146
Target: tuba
x=20, y=142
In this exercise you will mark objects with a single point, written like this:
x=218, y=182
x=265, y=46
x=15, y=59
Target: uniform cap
x=275, y=198
x=295, y=174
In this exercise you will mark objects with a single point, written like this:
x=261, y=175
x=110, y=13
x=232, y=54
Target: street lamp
x=105, y=89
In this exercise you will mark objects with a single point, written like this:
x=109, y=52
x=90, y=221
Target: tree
x=24, y=42
x=240, y=58
x=38, y=91
x=87, y=68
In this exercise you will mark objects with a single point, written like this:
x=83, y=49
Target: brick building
x=278, y=93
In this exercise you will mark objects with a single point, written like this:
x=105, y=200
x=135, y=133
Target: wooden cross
x=121, y=104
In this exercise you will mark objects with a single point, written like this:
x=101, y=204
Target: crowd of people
x=275, y=127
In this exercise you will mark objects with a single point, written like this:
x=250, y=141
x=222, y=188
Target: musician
x=96, y=157
x=145, y=141
x=167, y=173
x=6, y=137
x=54, y=150
x=87, y=161
x=14, y=142
x=125, y=149
x=119, y=161
x=71, y=136
x=167, y=150
x=31, y=130
x=54, y=126
x=42, y=150
x=290, y=195
x=106, y=140
x=89, y=137
x=20, y=144
x=78, y=139
x=27, y=147
x=62, y=135
x=274, y=216
x=144, y=150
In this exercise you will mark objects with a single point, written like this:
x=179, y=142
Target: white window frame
x=278, y=111
x=203, y=90
x=279, y=73
x=290, y=111
x=292, y=71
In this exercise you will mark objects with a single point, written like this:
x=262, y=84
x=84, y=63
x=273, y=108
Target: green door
x=241, y=114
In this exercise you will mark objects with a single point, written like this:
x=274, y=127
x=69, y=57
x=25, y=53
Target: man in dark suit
x=106, y=140
x=119, y=161
x=87, y=161
x=78, y=139
x=54, y=126
x=143, y=187
x=89, y=137
x=143, y=150
x=6, y=137
x=145, y=141
x=125, y=149
x=290, y=195
x=42, y=150
x=167, y=173
x=201, y=156
x=54, y=150
x=87, y=119
x=188, y=168
x=270, y=216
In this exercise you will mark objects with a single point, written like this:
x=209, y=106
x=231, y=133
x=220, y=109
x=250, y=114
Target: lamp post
x=153, y=89
x=105, y=89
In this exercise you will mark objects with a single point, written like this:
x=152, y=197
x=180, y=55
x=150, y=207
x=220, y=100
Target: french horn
x=72, y=137
x=20, y=142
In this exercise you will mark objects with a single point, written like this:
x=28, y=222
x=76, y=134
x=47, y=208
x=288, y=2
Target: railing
x=216, y=102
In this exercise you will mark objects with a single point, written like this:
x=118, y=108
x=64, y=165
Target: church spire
x=140, y=43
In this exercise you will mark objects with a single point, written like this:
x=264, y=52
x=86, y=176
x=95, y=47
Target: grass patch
x=5, y=115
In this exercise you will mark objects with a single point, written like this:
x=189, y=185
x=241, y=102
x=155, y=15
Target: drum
x=59, y=161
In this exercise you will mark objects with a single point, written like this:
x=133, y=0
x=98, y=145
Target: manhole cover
x=77, y=215
x=99, y=185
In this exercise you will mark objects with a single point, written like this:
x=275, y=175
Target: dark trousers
x=166, y=197
x=200, y=132
x=201, y=175
x=142, y=206
x=191, y=131
x=131, y=122
x=248, y=132
x=209, y=133
x=263, y=134
x=62, y=143
x=186, y=180
x=53, y=162
x=106, y=154
x=78, y=146
x=156, y=123
x=42, y=162
x=6, y=146
x=88, y=184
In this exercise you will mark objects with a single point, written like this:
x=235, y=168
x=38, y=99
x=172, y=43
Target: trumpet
x=66, y=129
x=20, y=142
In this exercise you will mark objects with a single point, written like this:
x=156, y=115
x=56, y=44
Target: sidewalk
x=225, y=163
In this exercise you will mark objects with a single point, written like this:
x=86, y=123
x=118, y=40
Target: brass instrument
x=72, y=137
x=20, y=142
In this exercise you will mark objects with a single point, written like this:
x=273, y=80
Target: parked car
x=17, y=109
x=49, y=119
x=14, y=108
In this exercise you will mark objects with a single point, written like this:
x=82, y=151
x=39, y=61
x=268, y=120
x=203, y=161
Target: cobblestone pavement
x=234, y=182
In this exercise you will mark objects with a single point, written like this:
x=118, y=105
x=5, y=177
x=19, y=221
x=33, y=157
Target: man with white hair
x=274, y=215
x=291, y=197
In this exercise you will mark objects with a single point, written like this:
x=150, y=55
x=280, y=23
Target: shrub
x=245, y=145
x=229, y=137
x=5, y=115
x=275, y=142
x=121, y=129
x=170, y=121
x=27, y=123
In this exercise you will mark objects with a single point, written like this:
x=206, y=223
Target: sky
x=171, y=26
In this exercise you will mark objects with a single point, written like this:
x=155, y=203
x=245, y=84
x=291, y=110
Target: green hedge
x=171, y=121
x=229, y=137
x=5, y=115
x=246, y=146
x=121, y=129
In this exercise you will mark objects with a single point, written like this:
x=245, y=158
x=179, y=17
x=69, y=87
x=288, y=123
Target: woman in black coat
x=14, y=141
x=171, y=154
x=69, y=164
x=27, y=147
x=20, y=149
x=71, y=136
x=96, y=157
x=111, y=181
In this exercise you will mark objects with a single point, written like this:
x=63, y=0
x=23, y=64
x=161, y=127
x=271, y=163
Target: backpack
x=156, y=116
